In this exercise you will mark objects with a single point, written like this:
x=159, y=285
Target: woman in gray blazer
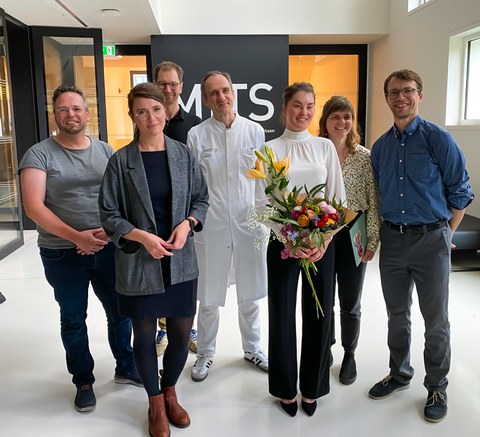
x=153, y=197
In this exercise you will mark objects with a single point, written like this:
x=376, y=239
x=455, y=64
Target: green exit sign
x=108, y=50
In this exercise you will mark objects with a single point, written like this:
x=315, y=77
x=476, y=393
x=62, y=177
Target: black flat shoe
x=348, y=371
x=291, y=409
x=309, y=408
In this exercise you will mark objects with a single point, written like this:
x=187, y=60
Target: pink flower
x=326, y=208
x=285, y=254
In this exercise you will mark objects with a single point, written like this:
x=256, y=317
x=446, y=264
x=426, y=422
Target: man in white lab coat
x=225, y=147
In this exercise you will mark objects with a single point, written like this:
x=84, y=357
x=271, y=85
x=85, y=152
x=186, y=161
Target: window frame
x=458, y=77
x=415, y=5
x=469, y=76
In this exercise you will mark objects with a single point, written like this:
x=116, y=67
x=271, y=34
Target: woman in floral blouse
x=337, y=123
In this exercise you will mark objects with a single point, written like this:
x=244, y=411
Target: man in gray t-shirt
x=60, y=179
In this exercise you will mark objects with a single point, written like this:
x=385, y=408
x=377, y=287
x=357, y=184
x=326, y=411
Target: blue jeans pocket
x=53, y=254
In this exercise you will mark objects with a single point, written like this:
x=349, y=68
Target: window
x=463, y=90
x=472, y=80
x=415, y=4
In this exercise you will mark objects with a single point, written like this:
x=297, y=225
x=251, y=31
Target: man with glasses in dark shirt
x=424, y=190
x=169, y=77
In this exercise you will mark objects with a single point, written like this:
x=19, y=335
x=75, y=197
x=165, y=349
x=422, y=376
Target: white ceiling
x=134, y=25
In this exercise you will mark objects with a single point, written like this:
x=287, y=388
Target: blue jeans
x=70, y=275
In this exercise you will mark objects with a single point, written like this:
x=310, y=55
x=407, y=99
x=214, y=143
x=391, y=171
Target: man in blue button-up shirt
x=424, y=190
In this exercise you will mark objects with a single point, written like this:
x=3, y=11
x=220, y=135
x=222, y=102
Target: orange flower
x=258, y=172
x=284, y=163
x=310, y=214
x=302, y=220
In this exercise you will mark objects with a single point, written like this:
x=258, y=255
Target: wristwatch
x=192, y=223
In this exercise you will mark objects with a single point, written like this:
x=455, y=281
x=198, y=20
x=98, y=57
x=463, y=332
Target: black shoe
x=132, y=378
x=85, y=398
x=290, y=409
x=386, y=387
x=436, y=407
x=2, y=298
x=348, y=371
x=309, y=408
x=330, y=359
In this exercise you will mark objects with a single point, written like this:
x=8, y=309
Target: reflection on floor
x=37, y=396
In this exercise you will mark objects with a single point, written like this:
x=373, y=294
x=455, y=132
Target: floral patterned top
x=361, y=189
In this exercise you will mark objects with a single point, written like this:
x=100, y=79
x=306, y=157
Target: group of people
x=164, y=221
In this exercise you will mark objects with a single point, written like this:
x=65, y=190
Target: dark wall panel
x=258, y=65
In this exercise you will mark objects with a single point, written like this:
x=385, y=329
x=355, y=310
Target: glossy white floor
x=36, y=394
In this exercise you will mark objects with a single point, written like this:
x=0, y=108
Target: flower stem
x=307, y=265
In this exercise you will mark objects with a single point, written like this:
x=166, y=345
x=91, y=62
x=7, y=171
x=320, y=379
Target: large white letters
x=195, y=100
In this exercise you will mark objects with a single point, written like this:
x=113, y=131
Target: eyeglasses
x=407, y=92
x=65, y=110
x=143, y=114
x=172, y=85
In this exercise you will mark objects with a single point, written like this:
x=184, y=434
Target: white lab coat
x=227, y=240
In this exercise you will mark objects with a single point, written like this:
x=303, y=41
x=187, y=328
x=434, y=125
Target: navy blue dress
x=179, y=300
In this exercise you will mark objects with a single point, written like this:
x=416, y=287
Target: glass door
x=130, y=65
x=11, y=232
x=69, y=56
x=338, y=70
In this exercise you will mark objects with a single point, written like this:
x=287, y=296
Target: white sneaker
x=201, y=366
x=161, y=342
x=258, y=358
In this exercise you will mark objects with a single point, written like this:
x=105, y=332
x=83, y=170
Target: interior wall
x=420, y=41
x=270, y=17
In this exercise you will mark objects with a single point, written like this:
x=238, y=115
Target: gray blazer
x=125, y=204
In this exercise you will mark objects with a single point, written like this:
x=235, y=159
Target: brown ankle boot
x=157, y=418
x=175, y=413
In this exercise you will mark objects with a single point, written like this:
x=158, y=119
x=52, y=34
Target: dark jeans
x=350, y=278
x=70, y=275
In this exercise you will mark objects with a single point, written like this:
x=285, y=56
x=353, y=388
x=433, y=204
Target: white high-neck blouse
x=313, y=161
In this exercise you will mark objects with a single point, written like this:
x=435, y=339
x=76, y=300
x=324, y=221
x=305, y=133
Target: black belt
x=415, y=229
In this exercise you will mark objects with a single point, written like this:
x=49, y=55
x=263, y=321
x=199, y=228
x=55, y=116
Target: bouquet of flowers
x=300, y=218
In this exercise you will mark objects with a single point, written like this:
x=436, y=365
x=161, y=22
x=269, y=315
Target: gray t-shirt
x=73, y=182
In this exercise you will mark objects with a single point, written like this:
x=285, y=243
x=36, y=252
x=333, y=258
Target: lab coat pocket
x=247, y=157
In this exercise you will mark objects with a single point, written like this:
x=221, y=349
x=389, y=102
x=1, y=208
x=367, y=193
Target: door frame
x=37, y=33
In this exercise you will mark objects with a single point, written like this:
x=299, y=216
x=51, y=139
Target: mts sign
x=242, y=91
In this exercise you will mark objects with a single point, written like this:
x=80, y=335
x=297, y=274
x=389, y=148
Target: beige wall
x=420, y=41
x=304, y=17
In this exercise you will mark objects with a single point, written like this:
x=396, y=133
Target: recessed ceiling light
x=111, y=12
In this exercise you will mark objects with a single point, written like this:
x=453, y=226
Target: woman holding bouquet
x=153, y=196
x=337, y=124
x=313, y=161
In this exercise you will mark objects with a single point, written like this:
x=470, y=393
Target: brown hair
x=334, y=104
x=147, y=90
x=214, y=73
x=408, y=75
x=293, y=89
x=168, y=65
x=68, y=89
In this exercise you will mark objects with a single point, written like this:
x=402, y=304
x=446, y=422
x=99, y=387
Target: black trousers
x=316, y=331
x=350, y=279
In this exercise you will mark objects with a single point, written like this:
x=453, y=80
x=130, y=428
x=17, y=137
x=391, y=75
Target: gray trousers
x=423, y=260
